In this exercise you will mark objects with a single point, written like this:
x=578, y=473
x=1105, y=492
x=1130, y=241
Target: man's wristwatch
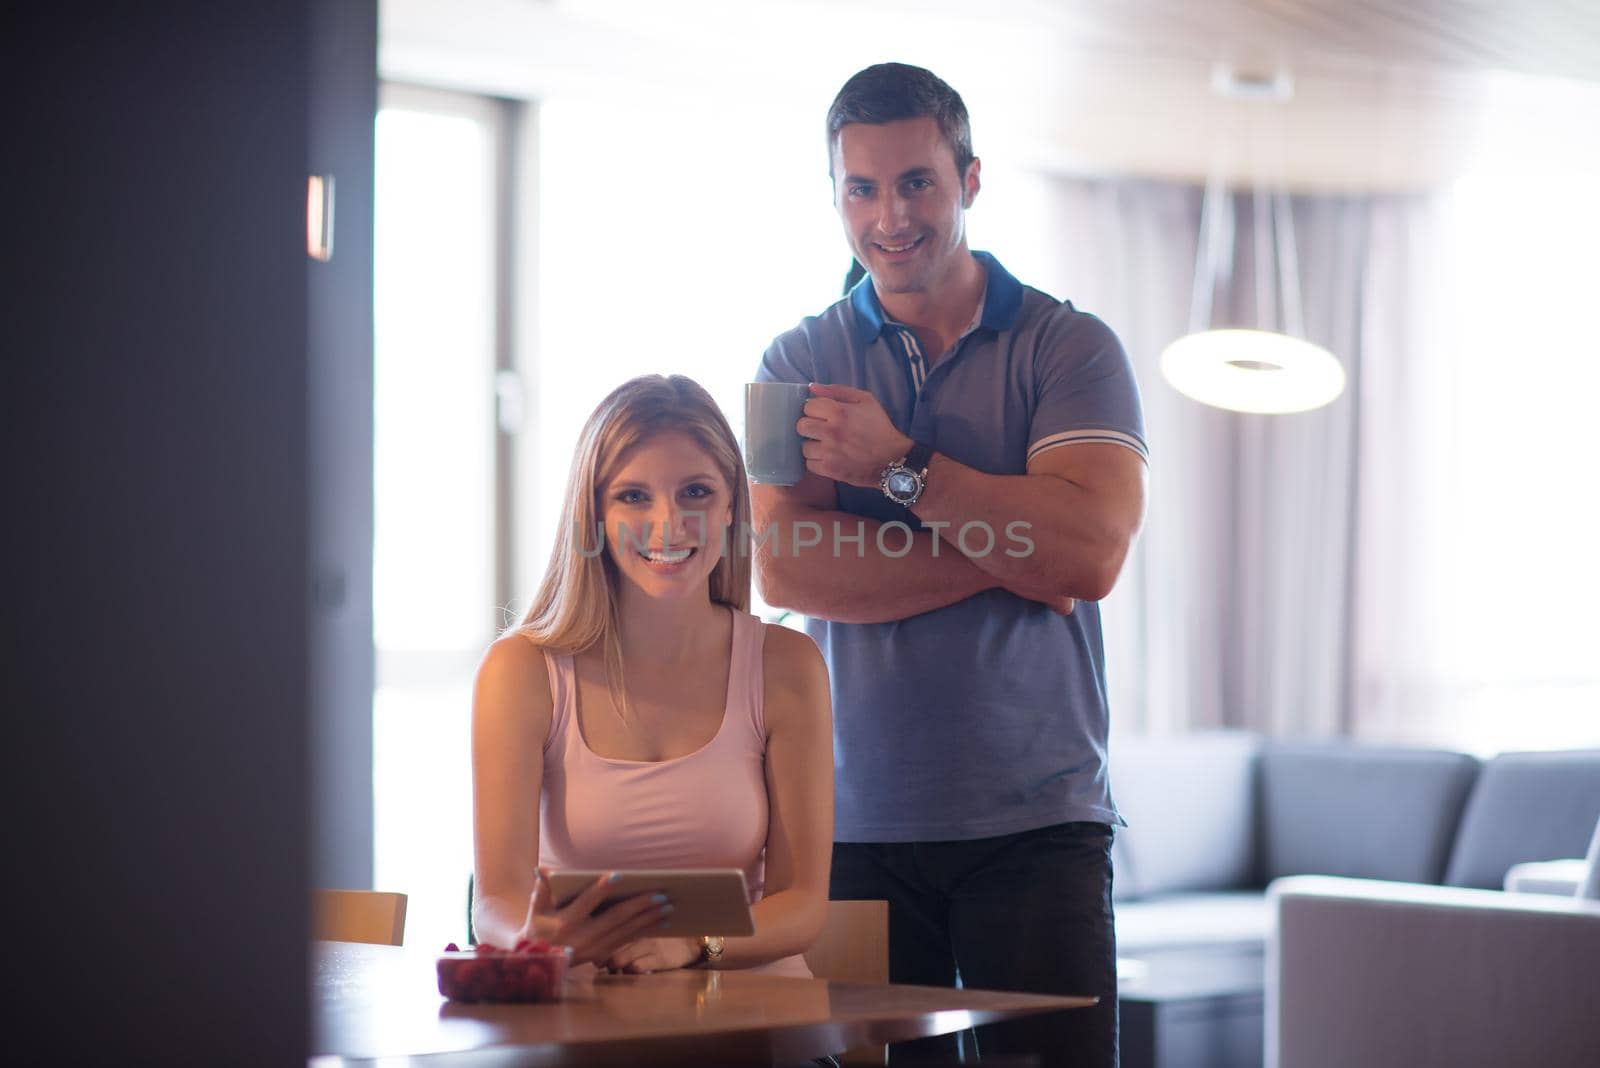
x=711, y=947
x=904, y=480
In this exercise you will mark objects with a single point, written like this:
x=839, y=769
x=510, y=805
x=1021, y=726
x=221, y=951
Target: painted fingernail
x=658, y=899
x=614, y=877
x=665, y=909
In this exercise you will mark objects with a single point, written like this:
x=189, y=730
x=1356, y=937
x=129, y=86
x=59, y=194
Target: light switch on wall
x=319, y=217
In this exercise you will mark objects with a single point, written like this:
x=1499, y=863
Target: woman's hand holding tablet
x=593, y=920
x=704, y=901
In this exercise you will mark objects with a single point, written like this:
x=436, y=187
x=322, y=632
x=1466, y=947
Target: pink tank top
x=707, y=809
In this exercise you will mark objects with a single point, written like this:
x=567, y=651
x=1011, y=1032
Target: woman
x=640, y=717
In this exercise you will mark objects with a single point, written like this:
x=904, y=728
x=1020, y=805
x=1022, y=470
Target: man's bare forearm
x=847, y=569
x=1026, y=529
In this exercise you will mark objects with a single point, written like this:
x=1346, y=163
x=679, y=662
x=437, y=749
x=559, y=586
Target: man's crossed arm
x=1056, y=534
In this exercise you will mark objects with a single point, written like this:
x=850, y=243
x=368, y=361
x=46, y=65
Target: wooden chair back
x=359, y=916
x=854, y=948
x=854, y=944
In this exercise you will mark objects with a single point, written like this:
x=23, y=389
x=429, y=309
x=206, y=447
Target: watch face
x=902, y=484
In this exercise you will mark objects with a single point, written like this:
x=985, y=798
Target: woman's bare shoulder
x=514, y=676
x=791, y=664
x=515, y=652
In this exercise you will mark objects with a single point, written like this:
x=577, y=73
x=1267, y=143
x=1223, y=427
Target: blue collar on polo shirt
x=1002, y=300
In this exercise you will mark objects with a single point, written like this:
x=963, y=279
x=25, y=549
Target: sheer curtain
x=1125, y=252
x=1234, y=609
x=1415, y=562
x=1294, y=517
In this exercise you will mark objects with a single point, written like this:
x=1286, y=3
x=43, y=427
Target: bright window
x=1519, y=574
x=676, y=236
x=1498, y=647
x=653, y=251
x=434, y=583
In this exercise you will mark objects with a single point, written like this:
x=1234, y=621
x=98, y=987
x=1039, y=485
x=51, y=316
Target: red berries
x=533, y=971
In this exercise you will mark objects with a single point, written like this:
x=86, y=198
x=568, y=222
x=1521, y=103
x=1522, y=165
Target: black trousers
x=1028, y=911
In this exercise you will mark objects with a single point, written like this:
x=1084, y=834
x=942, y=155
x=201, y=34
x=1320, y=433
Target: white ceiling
x=1387, y=94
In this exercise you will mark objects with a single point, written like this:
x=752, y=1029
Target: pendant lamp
x=1271, y=369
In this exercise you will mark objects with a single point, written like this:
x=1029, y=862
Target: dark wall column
x=344, y=103
x=158, y=531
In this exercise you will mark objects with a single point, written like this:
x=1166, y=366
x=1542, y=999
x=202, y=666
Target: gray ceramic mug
x=772, y=453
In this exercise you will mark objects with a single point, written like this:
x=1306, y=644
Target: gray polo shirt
x=988, y=716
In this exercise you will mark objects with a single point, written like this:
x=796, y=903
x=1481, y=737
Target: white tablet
x=705, y=901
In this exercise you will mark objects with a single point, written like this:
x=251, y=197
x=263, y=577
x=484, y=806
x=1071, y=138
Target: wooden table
x=383, y=1001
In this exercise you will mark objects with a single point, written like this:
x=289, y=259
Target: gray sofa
x=1214, y=818
x=1394, y=975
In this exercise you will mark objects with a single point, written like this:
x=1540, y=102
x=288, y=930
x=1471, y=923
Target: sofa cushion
x=1122, y=888
x=1590, y=886
x=1188, y=800
x=1526, y=806
x=1559, y=877
x=1361, y=811
x=1237, y=920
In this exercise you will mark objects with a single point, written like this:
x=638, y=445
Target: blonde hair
x=576, y=604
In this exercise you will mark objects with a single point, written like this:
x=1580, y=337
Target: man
x=976, y=466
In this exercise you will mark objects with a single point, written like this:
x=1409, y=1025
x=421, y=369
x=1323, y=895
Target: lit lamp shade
x=1252, y=371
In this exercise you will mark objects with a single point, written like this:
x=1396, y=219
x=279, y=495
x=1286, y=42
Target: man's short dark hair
x=889, y=92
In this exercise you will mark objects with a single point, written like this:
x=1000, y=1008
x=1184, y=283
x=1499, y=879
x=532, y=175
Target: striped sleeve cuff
x=1093, y=434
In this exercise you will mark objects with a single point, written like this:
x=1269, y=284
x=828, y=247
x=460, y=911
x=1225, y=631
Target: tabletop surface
x=383, y=1001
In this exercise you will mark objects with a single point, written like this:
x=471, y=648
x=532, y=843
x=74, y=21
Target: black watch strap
x=917, y=459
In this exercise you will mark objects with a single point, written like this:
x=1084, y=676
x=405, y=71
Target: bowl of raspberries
x=530, y=971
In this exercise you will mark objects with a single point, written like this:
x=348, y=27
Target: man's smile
x=900, y=249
